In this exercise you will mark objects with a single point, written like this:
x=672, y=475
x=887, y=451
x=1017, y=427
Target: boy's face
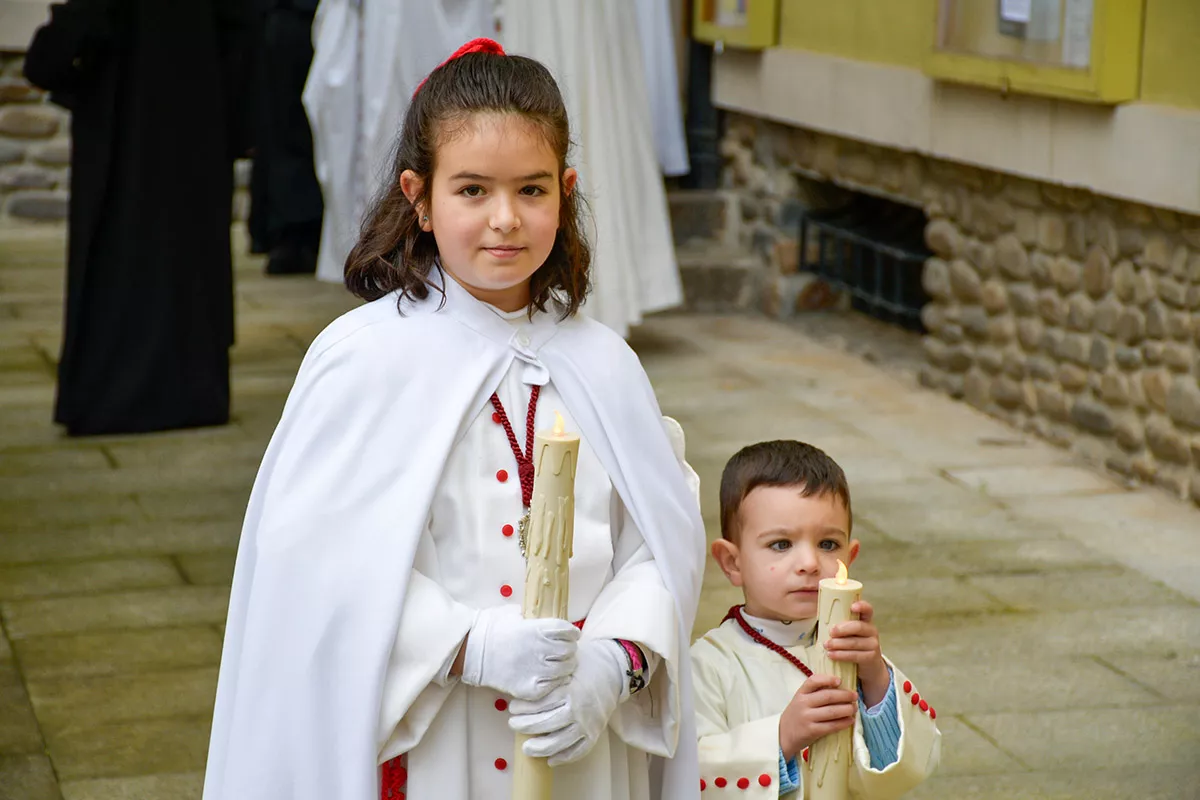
x=786, y=543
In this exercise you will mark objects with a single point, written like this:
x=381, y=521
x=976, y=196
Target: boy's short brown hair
x=783, y=462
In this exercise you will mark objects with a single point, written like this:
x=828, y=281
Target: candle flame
x=842, y=573
x=559, y=426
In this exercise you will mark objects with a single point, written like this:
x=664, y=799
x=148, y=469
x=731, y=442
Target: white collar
x=477, y=315
x=795, y=633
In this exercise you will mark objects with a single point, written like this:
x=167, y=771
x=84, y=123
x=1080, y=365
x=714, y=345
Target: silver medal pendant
x=522, y=531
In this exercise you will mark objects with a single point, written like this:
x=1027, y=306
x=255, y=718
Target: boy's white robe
x=316, y=671
x=742, y=688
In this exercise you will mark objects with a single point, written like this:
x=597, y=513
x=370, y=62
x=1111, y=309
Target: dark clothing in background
x=286, y=203
x=156, y=122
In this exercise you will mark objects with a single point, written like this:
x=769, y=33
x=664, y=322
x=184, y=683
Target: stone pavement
x=1052, y=616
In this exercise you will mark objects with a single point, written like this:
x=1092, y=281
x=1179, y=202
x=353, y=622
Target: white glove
x=567, y=722
x=523, y=658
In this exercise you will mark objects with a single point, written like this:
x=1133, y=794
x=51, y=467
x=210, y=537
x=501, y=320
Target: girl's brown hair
x=393, y=253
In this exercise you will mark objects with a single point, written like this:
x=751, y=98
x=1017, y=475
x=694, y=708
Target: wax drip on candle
x=842, y=573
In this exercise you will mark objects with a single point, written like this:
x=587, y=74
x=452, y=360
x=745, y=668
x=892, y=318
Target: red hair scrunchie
x=481, y=45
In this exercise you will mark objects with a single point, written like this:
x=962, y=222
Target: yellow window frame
x=1113, y=75
x=760, y=31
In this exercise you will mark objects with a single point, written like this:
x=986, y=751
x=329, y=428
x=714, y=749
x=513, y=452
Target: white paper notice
x=1016, y=10
x=1077, y=34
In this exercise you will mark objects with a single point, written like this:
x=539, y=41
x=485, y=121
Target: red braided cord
x=735, y=613
x=524, y=460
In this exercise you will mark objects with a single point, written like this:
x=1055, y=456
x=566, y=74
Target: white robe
x=656, y=31
x=462, y=563
x=368, y=58
x=742, y=688
x=360, y=508
x=598, y=65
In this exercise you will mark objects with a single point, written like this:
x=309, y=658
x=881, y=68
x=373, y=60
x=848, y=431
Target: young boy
x=785, y=524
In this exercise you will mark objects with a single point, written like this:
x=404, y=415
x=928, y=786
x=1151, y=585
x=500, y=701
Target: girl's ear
x=412, y=185
x=570, y=177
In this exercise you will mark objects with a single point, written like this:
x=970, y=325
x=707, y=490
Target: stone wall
x=35, y=150
x=1071, y=315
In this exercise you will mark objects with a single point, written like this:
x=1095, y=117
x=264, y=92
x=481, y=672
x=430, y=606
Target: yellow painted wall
x=887, y=31
x=1171, y=53
x=901, y=32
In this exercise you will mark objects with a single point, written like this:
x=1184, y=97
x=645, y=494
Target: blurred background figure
x=369, y=57
x=285, y=198
x=597, y=51
x=155, y=126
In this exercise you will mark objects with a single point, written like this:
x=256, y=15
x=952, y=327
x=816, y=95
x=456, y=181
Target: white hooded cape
x=338, y=508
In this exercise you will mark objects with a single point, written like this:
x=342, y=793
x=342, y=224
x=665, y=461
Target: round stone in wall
x=1097, y=273
x=28, y=122
x=48, y=206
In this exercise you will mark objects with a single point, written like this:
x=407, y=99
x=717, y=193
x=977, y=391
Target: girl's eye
x=780, y=546
x=830, y=545
x=471, y=191
x=533, y=191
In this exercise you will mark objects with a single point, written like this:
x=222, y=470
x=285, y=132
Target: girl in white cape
x=375, y=645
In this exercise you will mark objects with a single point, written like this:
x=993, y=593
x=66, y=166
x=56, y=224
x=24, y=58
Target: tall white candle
x=827, y=771
x=548, y=538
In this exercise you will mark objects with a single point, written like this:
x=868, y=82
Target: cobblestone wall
x=35, y=150
x=1073, y=316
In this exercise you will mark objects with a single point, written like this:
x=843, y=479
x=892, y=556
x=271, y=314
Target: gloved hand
x=566, y=723
x=523, y=658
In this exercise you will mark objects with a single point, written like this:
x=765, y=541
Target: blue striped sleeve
x=789, y=774
x=881, y=727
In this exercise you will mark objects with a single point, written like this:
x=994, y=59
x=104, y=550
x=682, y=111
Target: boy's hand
x=818, y=709
x=858, y=641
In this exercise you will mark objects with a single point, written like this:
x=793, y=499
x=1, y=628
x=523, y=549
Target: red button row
x=918, y=702
x=501, y=705
x=742, y=783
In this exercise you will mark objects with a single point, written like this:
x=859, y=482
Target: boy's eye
x=780, y=545
x=830, y=545
x=471, y=191
x=533, y=191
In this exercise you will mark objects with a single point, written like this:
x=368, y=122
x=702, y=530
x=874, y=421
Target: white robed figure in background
x=598, y=59
x=368, y=58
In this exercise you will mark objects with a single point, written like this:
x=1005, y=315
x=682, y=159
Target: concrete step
x=704, y=215
x=718, y=278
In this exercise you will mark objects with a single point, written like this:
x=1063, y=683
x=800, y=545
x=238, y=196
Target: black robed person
x=285, y=197
x=156, y=123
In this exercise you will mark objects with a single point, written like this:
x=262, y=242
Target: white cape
x=368, y=58
x=656, y=30
x=338, y=508
x=589, y=48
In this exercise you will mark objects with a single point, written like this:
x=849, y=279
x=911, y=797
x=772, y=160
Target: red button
x=502, y=475
x=496, y=417
x=501, y=764
x=743, y=783
x=703, y=785
x=764, y=780
x=720, y=783
x=924, y=706
x=501, y=704
x=507, y=530
x=908, y=687
x=932, y=713
x=916, y=698
x=506, y=590
x=804, y=754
